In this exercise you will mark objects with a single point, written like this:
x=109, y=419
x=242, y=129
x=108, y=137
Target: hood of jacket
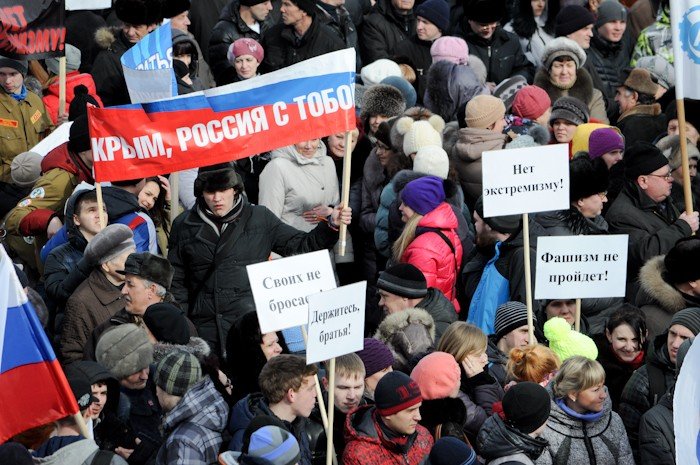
x=119, y=202
x=407, y=333
x=111, y=38
x=385, y=8
x=290, y=153
x=497, y=440
x=658, y=354
x=230, y=11
x=197, y=347
x=74, y=453
x=60, y=157
x=472, y=142
x=449, y=86
x=582, y=88
x=438, y=305
x=653, y=284
x=202, y=405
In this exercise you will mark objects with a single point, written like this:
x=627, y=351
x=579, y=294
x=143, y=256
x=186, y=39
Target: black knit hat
x=688, y=318
x=485, y=11
x=383, y=133
x=78, y=106
x=508, y=224
x=526, y=406
x=217, y=177
x=570, y=109
x=437, y=12
x=149, y=267
x=642, y=158
x=167, y=323
x=79, y=135
x=571, y=18
x=395, y=392
x=138, y=12
x=681, y=262
x=20, y=65
x=587, y=178
x=80, y=385
x=509, y=316
x=308, y=6
x=172, y=8
x=404, y=280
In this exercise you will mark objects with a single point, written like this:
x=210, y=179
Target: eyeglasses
x=666, y=177
x=602, y=195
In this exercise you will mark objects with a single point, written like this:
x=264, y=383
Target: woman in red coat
x=429, y=240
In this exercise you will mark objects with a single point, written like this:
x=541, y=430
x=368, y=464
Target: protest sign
x=87, y=4
x=148, y=67
x=575, y=267
x=686, y=405
x=32, y=29
x=57, y=137
x=527, y=180
x=310, y=99
x=336, y=322
x=281, y=288
x=685, y=27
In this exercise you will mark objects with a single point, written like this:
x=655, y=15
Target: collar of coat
x=642, y=110
x=582, y=89
x=653, y=284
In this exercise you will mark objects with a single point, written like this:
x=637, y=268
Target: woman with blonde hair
x=582, y=428
x=536, y=363
x=429, y=240
x=478, y=389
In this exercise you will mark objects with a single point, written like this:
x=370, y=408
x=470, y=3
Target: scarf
x=220, y=222
x=22, y=94
x=391, y=439
x=636, y=363
x=587, y=417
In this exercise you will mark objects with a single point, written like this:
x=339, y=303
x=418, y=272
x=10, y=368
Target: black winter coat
x=440, y=308
x=229, y=29
x=214, y=301
x=107, y=70
x=502, y=54
x=340, y=21
x=418, y=53
x=283, y=48
x=383, y=30
x=657, y=440
x=609, y=59
x=498, y=441
x=651, y=231
x=642, y=123
x=204, y=14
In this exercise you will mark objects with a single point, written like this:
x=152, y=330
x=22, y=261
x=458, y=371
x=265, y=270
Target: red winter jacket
x=364, y=444
x=432, y=255
x=73, y=79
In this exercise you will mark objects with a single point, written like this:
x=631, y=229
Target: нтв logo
x=690, y=34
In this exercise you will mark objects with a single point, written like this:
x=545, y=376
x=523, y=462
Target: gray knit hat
x=509, y=316
x=124, y=350
x=73, y=57
x=112, y=241
x=25, y=169
x=177, y=372
x=20, y=65
x=563, y=47
x=688, y=318
x=660, y=68
x=570, y=109
x=610, y=10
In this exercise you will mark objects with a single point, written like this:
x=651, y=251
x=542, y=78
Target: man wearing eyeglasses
x=644, y=210
x=498, y=49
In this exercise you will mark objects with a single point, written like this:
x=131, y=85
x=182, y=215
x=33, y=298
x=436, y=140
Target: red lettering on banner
x=37, y=41
x=12, y=18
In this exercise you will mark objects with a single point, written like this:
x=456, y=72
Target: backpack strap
x=103, y=457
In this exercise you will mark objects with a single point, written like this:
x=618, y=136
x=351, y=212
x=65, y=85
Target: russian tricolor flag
x=33, y=388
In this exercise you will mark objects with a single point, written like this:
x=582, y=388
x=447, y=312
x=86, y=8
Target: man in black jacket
x=211, y=245
x=299, y=37
x=239, y=19
x=500, y=50
x=389, y=23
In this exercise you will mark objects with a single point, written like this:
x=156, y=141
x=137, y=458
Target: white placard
x=280, y=288
x=577, y=267
x=528, y=180
x=686, y=405
x=57, y=137
x=336, y=322
x=87, y=4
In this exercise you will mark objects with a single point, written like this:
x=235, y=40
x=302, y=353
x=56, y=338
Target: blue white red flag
x=311, y=99
x=33, y=388
x=685, y=27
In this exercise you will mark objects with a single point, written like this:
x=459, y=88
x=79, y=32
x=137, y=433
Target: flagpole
x=61, y=86
x=687, y=195
x=345, y=198
x=80, y=421
x=528, y=280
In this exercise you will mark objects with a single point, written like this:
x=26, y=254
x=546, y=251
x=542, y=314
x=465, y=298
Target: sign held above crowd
x=32, y=30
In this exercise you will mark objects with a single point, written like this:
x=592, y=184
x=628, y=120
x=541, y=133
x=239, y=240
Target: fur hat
x=150, y=267
x=681, y=261
x=437, y=12
x=25, y=169
x=610, y=10
x=507, y=89
x=421, y=133
x=483, y=111
x=485, y=11
x=376, y=71
x=570, y=109
x=72, y=60
x=217, y=177
x=563, y=47
x=643, y=158
x=508, y=224
x=571, y=18
x=670, y=146
x=639, y=80
x=138, y=12
x=565, y=342
x=124, y=350
x=381, y=99
x=531, y=102
x=587, y=178
x=452, y=49
x=112, y=241
x=659, y=68
x=432, y=160
x=172, y=8
x=20, y=65
x=405, y=87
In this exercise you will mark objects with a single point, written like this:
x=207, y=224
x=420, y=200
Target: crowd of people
x=154, y=321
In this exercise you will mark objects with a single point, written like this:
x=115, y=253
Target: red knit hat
x=531, y=102
x=437, y=374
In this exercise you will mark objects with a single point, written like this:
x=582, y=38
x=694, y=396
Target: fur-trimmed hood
x=582, y=88
x=408, y=334
x=652, y=283
x=197, y=347
x=106, y=36
x=450, y=87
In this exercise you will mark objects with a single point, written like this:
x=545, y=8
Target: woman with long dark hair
x=534, y=25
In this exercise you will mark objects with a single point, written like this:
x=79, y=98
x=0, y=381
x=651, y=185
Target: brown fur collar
x=582, y=89
x=652, y=110
x=653, y=284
